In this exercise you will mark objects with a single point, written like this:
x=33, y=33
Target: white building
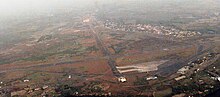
x=151, y=78
x=179, y=78
x=69, y=76
x=122, y=79
x=26, y=80
x=183, y=70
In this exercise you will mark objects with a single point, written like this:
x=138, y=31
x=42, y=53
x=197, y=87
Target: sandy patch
x=142, y=67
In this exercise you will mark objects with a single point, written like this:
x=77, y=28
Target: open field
x=81, y=52
x=141, y=67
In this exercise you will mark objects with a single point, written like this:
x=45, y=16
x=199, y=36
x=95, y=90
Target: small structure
x=69, y=76
x=216, y=78
x=18, y=93
x=76, y=93
x=86, y=20
x=183, y=70
x=37, y=89
x=45, y=87
x=179, y=78
x=26, y=80
x=151, y=78
x=30, y=91
x=122, y=79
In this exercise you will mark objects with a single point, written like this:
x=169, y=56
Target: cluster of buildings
x=29, y=90
x=44, y=89
x=195, y=64
x=24, y=91
x=160, y=30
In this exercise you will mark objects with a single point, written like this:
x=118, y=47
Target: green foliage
x=142, y=83
x=67, y=90
x=4, y=62
x=43, y=38
x=92, y=48
x=95, y=87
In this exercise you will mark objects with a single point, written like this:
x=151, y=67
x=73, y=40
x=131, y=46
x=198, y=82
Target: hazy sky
x=8, y=7
x=16, y=7
x=11, y=6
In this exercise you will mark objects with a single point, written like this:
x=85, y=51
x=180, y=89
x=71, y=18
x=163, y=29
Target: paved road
x=106, y=52
x=180, y=63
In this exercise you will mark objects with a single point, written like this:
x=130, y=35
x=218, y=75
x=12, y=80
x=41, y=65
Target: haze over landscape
x=158, y=48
